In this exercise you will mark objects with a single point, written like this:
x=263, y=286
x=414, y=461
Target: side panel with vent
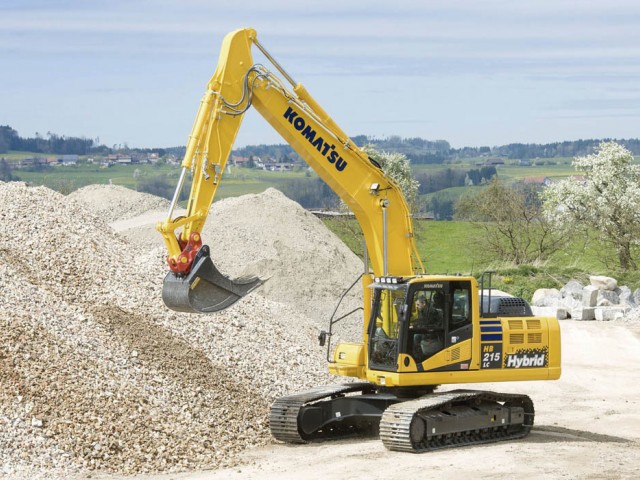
x=514, y=343
x=526, y=343
x=455, y=358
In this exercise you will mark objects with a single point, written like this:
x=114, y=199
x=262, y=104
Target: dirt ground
x=587, y=427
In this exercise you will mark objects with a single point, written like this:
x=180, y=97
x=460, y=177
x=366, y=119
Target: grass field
x=240, y=181
x=69, y=178
x=13, y=156
x=453, y=247
x=66, y=179
x=554, y=172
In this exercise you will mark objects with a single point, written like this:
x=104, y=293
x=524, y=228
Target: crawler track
x=285, y=411
x=456, y=418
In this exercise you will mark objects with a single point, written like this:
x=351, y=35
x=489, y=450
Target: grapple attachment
x=204, y=289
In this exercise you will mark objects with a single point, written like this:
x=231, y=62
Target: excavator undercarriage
x=429, y=422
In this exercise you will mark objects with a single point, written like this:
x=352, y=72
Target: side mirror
x=322, y=338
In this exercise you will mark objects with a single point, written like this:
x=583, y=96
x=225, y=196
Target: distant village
x=108, y=161
x=267, y=164
x=135, y=158
x=254, y=161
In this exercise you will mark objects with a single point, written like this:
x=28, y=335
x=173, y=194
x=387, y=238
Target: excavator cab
x=415, y=326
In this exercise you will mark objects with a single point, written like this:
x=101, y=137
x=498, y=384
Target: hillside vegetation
x=449, y=247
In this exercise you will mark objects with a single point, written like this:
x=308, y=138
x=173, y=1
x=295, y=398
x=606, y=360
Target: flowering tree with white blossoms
x=607, y=201
x=397, y=167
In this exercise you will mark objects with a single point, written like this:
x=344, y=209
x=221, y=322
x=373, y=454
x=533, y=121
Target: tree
x=607, y=200
x=443, y=209
x=397, y=167
x=513, y=222
x=310, y=192
x=5, y=172
x=7, y=138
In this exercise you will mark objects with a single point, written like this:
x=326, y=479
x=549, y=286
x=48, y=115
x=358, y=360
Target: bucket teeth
x=204, y=289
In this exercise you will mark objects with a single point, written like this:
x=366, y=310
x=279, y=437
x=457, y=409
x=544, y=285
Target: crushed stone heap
x=114, y=202
x=271, y=236
x=98, y=374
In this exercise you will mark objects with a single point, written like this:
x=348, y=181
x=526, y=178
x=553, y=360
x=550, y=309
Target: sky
x=474, y=73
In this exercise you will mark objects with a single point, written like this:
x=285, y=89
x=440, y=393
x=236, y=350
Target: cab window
x=461, y=308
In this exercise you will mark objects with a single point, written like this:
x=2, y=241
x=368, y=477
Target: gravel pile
x=270, y=236
x=114, y=202
x=97, y=374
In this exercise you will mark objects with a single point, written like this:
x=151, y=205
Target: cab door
x=385, y=327
x=459, y=327
x=443, y=341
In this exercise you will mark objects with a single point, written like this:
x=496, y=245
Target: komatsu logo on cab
x=326, y=149
x=525, y=360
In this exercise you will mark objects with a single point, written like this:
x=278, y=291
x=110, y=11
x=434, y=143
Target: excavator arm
x=193, y=283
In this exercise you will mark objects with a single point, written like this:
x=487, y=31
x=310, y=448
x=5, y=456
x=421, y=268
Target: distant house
x=68, y=160
x=581, y=179
x=543, y=181
x=494, y=162
x=124, y=160
x=272, y=165
x=281, y=167
x=524, y=163
x=239, y=161
x=27, y=162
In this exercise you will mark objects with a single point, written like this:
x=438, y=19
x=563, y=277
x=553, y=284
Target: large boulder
x=603, y=283
x=607, y=298
x=636, y=296
x=570, y=303
x=626, y=296
x=589, y=296
x=607, y=314
x=583, y=313
x=572, y=289
x=546, y=297
x=546, y=312
x=601, y=299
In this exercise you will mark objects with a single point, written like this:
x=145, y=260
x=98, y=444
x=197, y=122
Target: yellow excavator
x=419, y=330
